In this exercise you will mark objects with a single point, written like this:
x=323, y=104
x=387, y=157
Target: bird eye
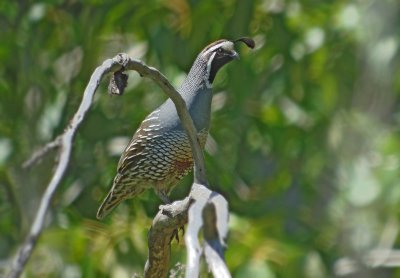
x=219, y=50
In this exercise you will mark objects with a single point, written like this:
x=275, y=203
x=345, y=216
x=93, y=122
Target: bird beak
x=234, y=55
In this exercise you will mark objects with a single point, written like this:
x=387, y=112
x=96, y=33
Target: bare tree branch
x=215, y=229
x=210, y=212
x=65, y=143
x=170, y=217
x=206, y=209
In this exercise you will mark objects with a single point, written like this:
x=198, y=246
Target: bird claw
x=175, y=233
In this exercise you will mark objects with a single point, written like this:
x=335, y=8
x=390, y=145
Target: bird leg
x=163, y=196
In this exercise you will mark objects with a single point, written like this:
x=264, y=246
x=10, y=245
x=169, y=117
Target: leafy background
x=304, y=142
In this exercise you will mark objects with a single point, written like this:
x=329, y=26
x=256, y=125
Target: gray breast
x=199, y=105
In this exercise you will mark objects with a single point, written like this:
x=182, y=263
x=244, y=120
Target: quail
x=159, y=154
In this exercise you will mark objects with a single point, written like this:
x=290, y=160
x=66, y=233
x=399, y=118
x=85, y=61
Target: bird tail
x=109, y=203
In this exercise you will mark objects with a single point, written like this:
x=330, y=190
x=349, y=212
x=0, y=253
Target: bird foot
x=168, y=211
x=175, y=234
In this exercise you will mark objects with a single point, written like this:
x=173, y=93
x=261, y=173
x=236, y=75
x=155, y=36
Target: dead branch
x=209, y=212
x=64, y=141
x=170, y=217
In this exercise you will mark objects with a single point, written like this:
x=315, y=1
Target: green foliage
x=305, y=138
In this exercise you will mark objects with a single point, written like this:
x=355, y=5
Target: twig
x=42, y=152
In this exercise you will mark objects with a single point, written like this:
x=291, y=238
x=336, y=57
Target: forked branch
x=164, y=223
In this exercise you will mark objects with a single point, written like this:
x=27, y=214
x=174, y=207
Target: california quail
x=159, y=154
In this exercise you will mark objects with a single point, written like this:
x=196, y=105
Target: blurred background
x=304, y=143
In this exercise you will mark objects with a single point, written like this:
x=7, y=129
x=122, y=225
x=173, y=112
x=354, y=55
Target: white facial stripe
x=209, y=62
x=227, y=45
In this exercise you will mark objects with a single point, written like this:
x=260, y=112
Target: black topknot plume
x=248, y=41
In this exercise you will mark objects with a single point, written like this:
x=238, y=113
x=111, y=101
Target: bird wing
x=140, y=143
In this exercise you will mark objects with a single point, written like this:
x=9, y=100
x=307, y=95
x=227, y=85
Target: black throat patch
x=216, y=64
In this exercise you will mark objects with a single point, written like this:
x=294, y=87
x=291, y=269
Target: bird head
x=219, y=53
